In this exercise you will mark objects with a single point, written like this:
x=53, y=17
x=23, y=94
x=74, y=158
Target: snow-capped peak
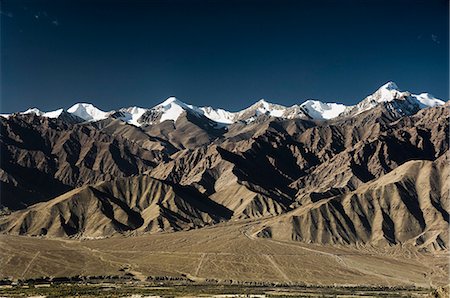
x=320, y=110
x=262, y=102
x=218, y=115
x=261, y=107
x=387, y=92
x=390, y=93
x=265, y=104
x=53, y=114
x=87, y=112
x=171, y=109
x=169, y=101
x=389, y=86
x=131, y=115
x=35, y=111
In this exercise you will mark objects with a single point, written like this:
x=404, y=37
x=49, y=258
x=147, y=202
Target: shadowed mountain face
x=43, y=158
x=376, y=174
x=407, y=205
x=128, y=205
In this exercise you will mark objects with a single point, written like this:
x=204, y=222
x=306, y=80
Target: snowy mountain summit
x=87, y=112
x=320, y=110
x=403, y=102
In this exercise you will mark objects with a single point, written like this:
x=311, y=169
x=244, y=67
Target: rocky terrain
x=374, y=174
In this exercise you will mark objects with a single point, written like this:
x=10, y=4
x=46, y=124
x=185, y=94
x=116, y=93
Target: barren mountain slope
x=137, y=135
x=308, y=162
x=227, y=179
x=419, y=137
x=188, y=131
x=407, y=205
x=305, y=177
x=139, y=204
x=43, y=158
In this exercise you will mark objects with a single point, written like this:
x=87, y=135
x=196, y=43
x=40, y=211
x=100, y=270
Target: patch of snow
x=261, y=107
x=132, y=115
x=293, y=112
x=428, y=100
x=53, y=114
x=88, y=112
x=250, y=120
x=171, y=109
x=276, y=113
x=389, y=86
x=387, y=92
x=218, y=115
x=270, y=109
x=35, y=111
x=320, y=110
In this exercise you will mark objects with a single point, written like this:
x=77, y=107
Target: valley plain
x=223, y=253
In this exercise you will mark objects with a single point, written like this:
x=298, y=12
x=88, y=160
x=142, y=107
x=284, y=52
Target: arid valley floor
x=221, y=254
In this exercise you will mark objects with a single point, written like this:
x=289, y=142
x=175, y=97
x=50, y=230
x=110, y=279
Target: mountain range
x=172, y=108
x=375, y=173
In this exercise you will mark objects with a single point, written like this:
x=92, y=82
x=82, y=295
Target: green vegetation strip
x=128, y=289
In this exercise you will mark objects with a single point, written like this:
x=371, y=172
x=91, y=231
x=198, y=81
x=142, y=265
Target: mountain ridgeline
x=376, y=173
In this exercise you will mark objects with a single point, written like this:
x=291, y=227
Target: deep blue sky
x=221, y=53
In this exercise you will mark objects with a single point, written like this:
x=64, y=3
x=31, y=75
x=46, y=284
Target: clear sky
x=222, y=53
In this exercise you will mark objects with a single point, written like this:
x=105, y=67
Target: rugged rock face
x=375, y=175
x=42, y=158
x=407, y=205
x=137, y=204
x=360, y=158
